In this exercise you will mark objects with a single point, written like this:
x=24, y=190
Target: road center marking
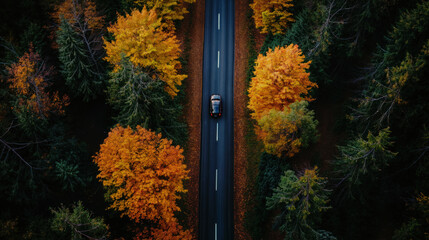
x=215, y=231
x=216, y=182
x=218, y=21
x=218, y=57
x=217, y=132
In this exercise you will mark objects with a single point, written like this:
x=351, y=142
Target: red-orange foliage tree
x=28, y=78
x=144, y=174
x=79, y=13
x=170, y=231
x=280, y=79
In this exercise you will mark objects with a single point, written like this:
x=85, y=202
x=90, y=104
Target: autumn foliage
x=79, y=12
x=140, y=37
x=170, y=231
x=280, y=79
x=28, y=78
x=144, y=174
x=168, y=10
x=286, y=132
x=271, y=16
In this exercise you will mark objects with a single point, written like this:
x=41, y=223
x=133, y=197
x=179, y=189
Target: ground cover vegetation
x=91, y=134
x=370, y=59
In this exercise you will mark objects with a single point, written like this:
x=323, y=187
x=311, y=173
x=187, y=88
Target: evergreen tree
x=78, y=223
x=301, y=200
x=361, y=159
x=316, y=32
x=75, y=64
x=141, y=99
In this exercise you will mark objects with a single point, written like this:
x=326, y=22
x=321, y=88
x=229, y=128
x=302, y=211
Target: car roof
x=215, y=97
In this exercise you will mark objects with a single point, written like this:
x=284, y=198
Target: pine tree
x=76, y=67
x=78, y=223
x=361, y=159
x=301, y=199
x=141, y=100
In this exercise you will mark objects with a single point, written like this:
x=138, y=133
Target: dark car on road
x=215, y=106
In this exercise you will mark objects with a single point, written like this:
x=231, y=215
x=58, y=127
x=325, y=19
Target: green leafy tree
x=78, y=223
x=286, y=132
x=77, y=68
x=364, y=158
x=301, y=200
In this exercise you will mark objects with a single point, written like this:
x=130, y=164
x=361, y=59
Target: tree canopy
x=141, y=38
x=29, y=79
x=168, y=10
x=272, y=16
x=144, y=175
x=280, y=79
x=286, y=132
x=301, y=199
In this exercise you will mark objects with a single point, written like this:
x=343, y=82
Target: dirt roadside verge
x=192, y=28
x=241, y=55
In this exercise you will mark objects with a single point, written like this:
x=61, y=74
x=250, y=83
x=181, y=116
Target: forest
x=338, y=97
x=91, y=125
x=93, y=138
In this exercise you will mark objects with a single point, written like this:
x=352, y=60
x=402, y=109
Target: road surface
x=216, y=173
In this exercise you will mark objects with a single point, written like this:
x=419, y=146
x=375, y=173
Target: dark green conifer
x=76, y=67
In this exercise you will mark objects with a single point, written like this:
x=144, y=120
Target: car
x=215, y=106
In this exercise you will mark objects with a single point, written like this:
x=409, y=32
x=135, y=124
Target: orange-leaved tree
x=139, y=36
x=144, y=174
x=280, y=79
x=28, y=78
x=170, y=231
x=80, y=14
x=286, y=132
x=168, y=10
x=272, y=16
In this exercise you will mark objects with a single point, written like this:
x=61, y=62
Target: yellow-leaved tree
x=168, y=10
x=280, y=79
x=144, y=174
x=272, y=16
x=140, y=37
x=286, y=132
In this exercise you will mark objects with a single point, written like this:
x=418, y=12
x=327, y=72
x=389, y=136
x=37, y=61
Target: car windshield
x=216, y=105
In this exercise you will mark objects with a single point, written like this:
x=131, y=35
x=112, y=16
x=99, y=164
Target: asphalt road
x=216, y=173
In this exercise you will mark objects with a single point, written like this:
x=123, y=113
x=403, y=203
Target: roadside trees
x=144, y=175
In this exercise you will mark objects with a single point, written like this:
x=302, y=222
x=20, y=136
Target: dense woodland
x=365, y=64
x=92, y=132
x=91, y=120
